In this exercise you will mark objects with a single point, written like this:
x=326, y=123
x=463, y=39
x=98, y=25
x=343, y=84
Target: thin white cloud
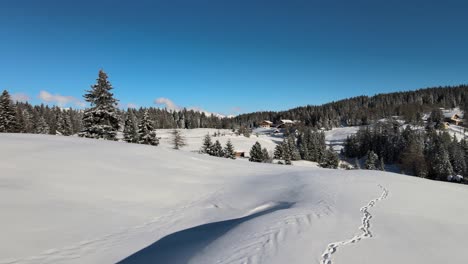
x=166, y=102
x=20, y=97
x=60, y=100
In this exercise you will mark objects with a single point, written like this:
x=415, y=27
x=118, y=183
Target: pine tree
x=28, y=121
x=41, y=126
x=457, y=157
x=371, y=161
x=256, y=154
x=7, y=113
x=20, y=126
x=101, y=119
x=285, y=151
x=441, y=166
x=290, y=148
x=266, y=156
x=330, y=159
x=381, y=164
x=130, y=132
x=278, y=153
x=217, y=149
x=207, y=146
x=229, y=151
x=177, y=139
x=146, y=133
x=64, y=125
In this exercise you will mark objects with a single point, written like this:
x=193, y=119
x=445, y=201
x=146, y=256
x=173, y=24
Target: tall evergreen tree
x=130, y=132
x=256, y=153
x=64, y=124
x=441, y=166
x=207, y=146
x=371, y=161
x=41, y=126
x=291, y=148
x=7, y=113
x=146, y=133
x=330, y=159
x=278, y=153
x=101, y=119
x=217, y=149
x=266, y=156
x=177, y=139
x=229, y=151
x=457, y=157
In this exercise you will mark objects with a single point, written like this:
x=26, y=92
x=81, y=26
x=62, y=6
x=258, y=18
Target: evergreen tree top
x=100, y=94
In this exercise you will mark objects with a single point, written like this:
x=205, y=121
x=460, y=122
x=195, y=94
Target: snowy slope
x=194, y=139
x=337, y=136
x=73, y=200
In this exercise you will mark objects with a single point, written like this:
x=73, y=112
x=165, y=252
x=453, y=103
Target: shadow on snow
x=180, y=247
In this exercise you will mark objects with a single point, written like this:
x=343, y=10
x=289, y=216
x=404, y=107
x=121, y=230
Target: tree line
x=362, y=110
x=424, y=152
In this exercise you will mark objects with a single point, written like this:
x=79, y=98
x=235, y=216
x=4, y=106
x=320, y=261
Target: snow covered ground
x=337, y=136
x=74, y=200
x=457, y=131
x=194, y=139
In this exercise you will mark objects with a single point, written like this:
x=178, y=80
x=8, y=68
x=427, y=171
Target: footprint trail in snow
x=365, y=228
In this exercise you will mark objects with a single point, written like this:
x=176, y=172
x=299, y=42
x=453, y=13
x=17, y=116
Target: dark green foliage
x=429, y=154
x=217, y=150
x=41, y=127
x=266, y=156
x=177, y=139
x=436, y=119
x=412, y=157
x=440, y=163
x=311, y=145
x=64, y=123
x=330, y=160
x=363, y=110
x=371, y=161
x=130, y=131
x=229, y=151
x=278, y=153
x=8, y=118
x=207, y=146
x=101, y=120
x=146, y=133
x=256, y=153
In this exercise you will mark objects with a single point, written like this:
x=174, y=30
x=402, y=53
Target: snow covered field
x=74, y=200
x=194, y=139
x=337, y=136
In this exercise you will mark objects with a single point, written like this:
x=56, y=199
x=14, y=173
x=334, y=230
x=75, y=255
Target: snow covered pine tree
x=101, y=119
x=177, y=139
x=207, y=146
x=130, y=131
x=146, y=132
x=256, y=153
x=229, y=151
x=7, y=113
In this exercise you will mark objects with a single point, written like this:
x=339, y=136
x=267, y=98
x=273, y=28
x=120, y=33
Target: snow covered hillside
x=75, y=200
x=194, y=139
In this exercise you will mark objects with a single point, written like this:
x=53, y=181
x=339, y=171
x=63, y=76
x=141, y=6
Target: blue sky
x=230, y=56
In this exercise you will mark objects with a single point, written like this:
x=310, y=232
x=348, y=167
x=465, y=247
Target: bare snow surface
x=73, y=200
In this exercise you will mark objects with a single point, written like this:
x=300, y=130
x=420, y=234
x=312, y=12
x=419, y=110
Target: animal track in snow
x=365, y=228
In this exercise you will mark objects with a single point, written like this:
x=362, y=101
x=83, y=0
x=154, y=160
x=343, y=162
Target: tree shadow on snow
x=180, y=247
